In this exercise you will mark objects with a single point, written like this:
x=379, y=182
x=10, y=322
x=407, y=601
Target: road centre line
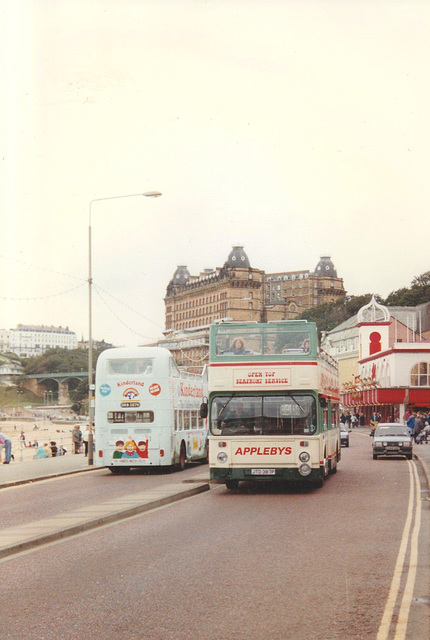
x=384, y=627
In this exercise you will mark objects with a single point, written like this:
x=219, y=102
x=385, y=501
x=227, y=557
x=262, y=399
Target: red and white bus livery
x=272, y=404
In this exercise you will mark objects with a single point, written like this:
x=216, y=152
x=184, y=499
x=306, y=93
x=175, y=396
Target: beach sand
x=46, y=431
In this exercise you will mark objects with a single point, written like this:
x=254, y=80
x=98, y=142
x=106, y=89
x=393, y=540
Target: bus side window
x=195, y=420
x=334, y=415
x=186, y=420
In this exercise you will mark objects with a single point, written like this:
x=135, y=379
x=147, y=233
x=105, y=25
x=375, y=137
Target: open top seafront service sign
x=261, y=377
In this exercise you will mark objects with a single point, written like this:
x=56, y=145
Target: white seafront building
x=33, y=340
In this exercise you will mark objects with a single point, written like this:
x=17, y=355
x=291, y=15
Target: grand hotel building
x=236, y=291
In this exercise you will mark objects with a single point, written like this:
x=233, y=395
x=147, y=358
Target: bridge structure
x=57, y=383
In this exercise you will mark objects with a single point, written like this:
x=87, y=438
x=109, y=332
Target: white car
x=344, y=435
x=392, y=439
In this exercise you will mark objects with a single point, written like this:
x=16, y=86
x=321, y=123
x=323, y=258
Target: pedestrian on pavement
x=85, y=435
x=418, y=426
x=76, y=438
x=411, y=424
x=7, y=442
x=406, y=415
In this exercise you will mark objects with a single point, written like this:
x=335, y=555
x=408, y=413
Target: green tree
x=329, y=315
x=418, y=293
x=59, y=361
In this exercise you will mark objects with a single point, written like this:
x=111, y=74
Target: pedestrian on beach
x=41, y=452
x=7, y=442
x=76, y=438
x=22, y=437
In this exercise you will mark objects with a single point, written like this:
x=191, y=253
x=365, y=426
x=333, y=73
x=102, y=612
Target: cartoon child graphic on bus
x=142, y=448
x=130, y=450
x=119, y=449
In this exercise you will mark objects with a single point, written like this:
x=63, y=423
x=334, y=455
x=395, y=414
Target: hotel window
x=420, y=375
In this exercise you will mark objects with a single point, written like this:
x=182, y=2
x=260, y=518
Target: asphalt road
x=266, y=562
x=27, y=502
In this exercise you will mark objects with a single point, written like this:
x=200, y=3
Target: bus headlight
x=222, y=457
x=304, y=456
x=304, y=470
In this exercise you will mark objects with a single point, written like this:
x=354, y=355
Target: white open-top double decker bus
x=272, y=405
x=147, y=411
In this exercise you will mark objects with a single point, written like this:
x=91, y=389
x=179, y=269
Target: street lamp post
x=147, y=194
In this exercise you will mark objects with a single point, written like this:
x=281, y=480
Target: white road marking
x=414, y=509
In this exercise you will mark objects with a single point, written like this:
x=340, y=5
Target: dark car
x=344, y=435
x=392, y=439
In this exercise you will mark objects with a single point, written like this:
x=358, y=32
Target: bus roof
x=135, y=352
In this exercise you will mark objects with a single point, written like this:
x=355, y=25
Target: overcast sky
x=297, y=129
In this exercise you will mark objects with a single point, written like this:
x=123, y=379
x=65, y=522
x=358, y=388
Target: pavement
x=422, y=455
x=32, y=470
x=20, y=538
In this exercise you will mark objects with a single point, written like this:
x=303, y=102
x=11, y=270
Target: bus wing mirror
x=323, y=402
x=204, y=410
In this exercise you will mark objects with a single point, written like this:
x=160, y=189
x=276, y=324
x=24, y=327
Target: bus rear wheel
x=333, y=465
x=182, y=457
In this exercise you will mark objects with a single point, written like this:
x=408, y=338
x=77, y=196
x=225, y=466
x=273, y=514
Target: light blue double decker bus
x=273, y=404
x=147, y=411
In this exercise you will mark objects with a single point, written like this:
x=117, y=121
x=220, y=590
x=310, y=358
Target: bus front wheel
x=326, y=467
x=232, y=484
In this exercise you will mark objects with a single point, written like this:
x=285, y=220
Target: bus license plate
x=263, y=472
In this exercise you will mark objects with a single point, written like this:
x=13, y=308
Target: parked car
x=392, y=439
x=344, y=435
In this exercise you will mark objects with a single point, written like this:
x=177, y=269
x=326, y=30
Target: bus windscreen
x=263, y=415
